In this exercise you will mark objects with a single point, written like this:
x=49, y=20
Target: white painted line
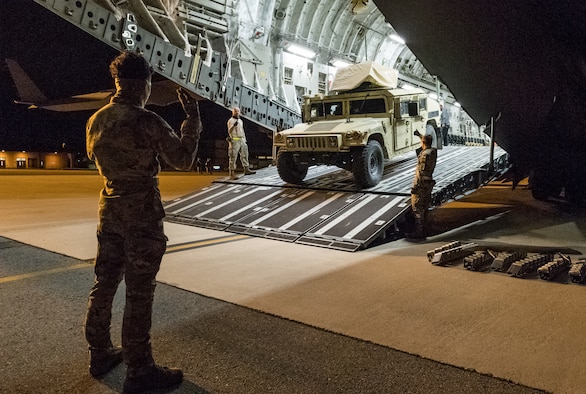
x=311, y=211
x=205, y=199
x=276, y=211
x=373, y=217
x=346, y=214
x=238, y=211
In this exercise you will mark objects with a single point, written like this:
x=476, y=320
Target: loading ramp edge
x=263, y=232
x=353, y=245
x=196, y=222
x=330, y=243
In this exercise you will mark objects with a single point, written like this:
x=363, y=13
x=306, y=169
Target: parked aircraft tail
x=163, y=93
x=28, y=92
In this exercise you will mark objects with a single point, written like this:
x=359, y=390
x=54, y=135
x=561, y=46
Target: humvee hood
x=335, y=126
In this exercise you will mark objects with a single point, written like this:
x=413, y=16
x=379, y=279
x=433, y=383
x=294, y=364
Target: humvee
x=367, y=121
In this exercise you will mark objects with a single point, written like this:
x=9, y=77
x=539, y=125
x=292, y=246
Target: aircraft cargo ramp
x=329, y=210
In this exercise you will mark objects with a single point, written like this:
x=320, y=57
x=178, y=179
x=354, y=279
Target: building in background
x=45, y=160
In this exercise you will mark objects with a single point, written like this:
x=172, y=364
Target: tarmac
x=242, y=314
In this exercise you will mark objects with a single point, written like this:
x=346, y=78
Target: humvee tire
x=289, y=170
x=368, y=164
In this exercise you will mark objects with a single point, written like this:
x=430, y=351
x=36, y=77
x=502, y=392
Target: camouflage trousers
x=236, y=147
x=132, y=251
x=420, y=202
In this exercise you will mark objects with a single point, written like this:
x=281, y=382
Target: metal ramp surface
x=329, y=210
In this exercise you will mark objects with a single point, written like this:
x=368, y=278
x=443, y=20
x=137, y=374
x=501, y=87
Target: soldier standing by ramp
x=237, y=144
x=422, y=186
x=125, y=140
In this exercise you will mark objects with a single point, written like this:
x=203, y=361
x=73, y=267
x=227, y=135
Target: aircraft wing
x=96, y=96
x=163, y=93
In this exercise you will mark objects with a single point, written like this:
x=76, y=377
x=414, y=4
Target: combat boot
x=153, y=378
x=233, y=175
x=247, y=171
x=103, y=361
x=418, y=234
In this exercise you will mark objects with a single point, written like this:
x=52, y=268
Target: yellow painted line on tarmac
x=43, y=273
x=170, y=249
x=207, y=242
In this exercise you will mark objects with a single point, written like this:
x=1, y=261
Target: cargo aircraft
x=162, y=94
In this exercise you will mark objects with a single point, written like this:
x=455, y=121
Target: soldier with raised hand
x=125, y=140
x=237, y=144
x=422, y=186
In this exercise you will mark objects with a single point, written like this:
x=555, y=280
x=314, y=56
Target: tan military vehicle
x=365, y=122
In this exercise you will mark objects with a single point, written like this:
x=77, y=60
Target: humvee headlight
x=278, y=137
x=332, y=142
x=354, y=135
x=290, y=142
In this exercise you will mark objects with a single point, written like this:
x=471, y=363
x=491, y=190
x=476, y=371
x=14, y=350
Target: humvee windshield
x=322, y=109
x=368, y=106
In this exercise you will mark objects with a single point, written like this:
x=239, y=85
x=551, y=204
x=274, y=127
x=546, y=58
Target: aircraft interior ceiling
x=344, y=30
x=334, y=29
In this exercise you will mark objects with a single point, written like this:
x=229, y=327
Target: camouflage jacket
x=125, y=141
x=425, y=166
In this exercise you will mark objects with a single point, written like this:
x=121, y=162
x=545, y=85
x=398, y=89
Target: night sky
x=63, y=61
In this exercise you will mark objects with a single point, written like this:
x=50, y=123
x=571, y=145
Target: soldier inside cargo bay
x=445, y=124
x=432, y=129
x=237, y=144
x=422, y=186
x=125, y=140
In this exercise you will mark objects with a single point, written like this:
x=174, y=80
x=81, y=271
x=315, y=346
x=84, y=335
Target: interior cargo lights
x=301, y=51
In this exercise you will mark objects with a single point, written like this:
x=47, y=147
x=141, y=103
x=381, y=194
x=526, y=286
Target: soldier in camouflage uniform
x=423, y=185
x=125, y=140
